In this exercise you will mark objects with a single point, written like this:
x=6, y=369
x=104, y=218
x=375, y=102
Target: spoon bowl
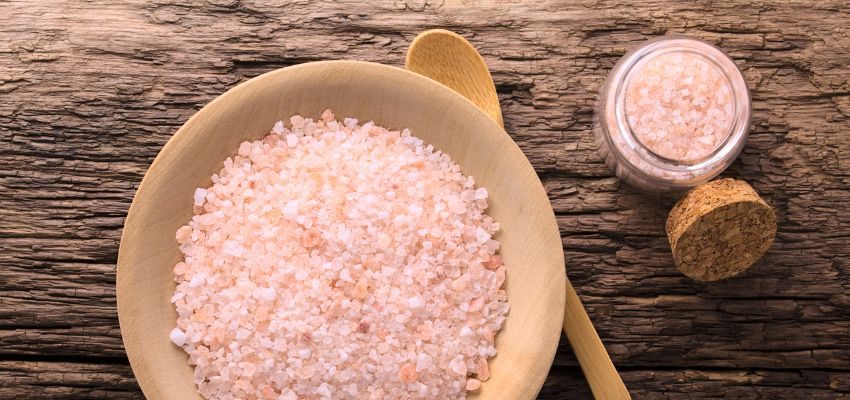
x=448, y=58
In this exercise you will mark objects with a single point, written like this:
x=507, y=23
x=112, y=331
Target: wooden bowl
x=394, y=98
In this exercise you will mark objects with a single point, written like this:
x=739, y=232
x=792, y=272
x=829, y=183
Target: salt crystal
x=200, y=196
x=177, y=336
x=667, y=74
x=265, y=293
x=416, y=303
x=421, y=390
x=345, y=275
x=481, y=235
x=196, y=281
x=323, y=390
x=291, y=140
x=291, y=208
x=482, y=370
x=423, y=362
x=184, y=234
x=242, y=333
x=232, y=248
x=407, y=373
x=331, y=297
x=458, y=366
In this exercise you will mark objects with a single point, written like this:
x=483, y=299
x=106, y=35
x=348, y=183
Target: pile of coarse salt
x=334, y=260
x=679, y=106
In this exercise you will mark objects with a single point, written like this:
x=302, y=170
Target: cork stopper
x=719, y=229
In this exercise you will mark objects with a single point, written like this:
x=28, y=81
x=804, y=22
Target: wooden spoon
x=448, y=58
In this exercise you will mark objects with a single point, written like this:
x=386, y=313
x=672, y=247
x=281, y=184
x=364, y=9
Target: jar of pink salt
x=673, y=114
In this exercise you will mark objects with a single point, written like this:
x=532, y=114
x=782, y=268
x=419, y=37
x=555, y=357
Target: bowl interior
x=394, y=98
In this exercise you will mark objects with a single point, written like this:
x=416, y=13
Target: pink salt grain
x=494, y=262
x=407, y=374
x=679, y=106
x=184, y=234
x=337, y=260
x=482, y=369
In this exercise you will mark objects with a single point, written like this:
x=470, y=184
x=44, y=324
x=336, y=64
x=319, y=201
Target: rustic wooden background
x=90, y=91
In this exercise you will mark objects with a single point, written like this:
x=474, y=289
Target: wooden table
x=90, y=91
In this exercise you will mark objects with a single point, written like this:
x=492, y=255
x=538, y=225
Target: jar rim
x=612, y=102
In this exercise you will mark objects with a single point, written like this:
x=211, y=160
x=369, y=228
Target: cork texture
x=719, y=229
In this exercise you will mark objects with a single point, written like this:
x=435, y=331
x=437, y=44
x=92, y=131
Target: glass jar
x=673, y=114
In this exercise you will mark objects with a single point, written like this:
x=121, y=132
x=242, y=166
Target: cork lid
x=719, y=229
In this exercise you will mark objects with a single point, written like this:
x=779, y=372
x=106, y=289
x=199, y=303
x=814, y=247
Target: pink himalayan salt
x=407, y=373
x=494, y=262
x=679, y=106
x=482, y=370
x=338, y=260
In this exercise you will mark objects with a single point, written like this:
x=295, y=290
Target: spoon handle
x=595, y=362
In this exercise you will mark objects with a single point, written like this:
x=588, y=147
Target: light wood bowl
x=394, y=98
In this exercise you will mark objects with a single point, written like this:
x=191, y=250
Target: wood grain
x=89, y=93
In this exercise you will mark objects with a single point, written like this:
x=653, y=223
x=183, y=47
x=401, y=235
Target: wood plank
x=67, y=380
x=709, y=384
x=81, y=380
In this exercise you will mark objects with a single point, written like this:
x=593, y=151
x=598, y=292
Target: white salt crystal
x=232, y=248
x=415, y=209
x=196, y=281
x=200, y=196
x=416, y=303
x=291, y=140
x=324, y=391
x=288, y=394
x=421, y=390
x=458, y=366
x=278, y=127
x=177, y=336
x=265, y=293
x=423, y=362
x=481, y=235
x=345, y=275
x=291, y=208
x=301, y=274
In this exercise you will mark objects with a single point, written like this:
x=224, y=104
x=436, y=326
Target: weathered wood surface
x=90, y=91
